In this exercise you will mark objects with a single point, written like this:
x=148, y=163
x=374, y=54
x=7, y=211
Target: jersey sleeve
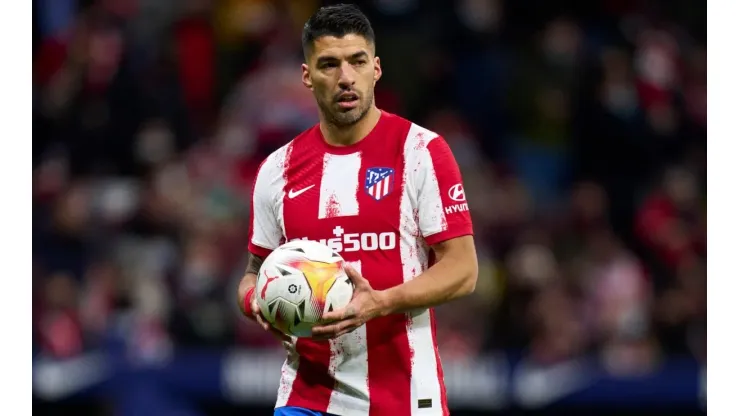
x=443, y=208
x=265, y=231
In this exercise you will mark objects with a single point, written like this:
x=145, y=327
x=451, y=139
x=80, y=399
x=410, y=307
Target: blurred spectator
x=671, y=222
x=59, y=326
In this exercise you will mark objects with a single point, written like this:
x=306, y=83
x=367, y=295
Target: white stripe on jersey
x=339, y=185
x=289, y=372
x=425, y=383
x=432, y=219
x=348, y=365
x=269, y=189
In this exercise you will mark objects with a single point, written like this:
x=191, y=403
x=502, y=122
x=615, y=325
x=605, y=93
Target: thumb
x=355, y=277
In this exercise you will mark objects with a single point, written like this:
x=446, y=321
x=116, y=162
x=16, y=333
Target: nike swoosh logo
x=292, y=194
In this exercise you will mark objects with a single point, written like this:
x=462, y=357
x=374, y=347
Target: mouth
x=348, y=100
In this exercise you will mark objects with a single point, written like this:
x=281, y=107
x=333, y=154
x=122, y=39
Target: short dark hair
x=338, y=20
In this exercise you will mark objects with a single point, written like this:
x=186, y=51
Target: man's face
x=342, y=73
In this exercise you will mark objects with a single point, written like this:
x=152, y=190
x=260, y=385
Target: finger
x=322, y=337
x=345, y=331
x=257, y=312
x=255, y=308
x=260, y=320
x=332, y=316
x=281, y=336
x=267, y=327
x=323, y=330
x=347, y=326
x=339, y=315
x=348, y=312
x=334, y=329
x=354, y=276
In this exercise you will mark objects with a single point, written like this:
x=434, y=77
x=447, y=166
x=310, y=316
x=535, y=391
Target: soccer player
x=391, y=193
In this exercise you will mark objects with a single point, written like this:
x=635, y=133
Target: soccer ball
x=300, y=281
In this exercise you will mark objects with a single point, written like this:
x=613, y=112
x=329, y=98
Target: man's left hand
x=366, y=304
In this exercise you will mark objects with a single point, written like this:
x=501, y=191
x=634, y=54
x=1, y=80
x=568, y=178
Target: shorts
x=298, y=411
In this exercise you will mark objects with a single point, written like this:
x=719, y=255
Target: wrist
x=384, y=300
x=248, y=302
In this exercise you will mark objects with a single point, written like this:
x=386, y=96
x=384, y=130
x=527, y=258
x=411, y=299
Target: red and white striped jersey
x=381, y=203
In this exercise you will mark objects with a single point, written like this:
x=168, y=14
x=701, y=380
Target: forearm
x=449, y=279
x=248, y=282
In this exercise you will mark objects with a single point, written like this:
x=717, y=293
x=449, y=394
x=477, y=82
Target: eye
x=360, y=62
x=328, y=65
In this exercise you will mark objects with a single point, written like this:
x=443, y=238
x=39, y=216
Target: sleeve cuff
x=448, y=234
x=258, y=250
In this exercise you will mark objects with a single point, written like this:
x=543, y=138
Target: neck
x=349, y=135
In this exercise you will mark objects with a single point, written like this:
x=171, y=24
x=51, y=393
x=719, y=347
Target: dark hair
x=338, y=21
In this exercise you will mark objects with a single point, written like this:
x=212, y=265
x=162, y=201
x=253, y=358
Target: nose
x=346, y=76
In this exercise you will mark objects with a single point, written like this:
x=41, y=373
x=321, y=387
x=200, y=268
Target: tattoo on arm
x=254, y=263
x=248, y=282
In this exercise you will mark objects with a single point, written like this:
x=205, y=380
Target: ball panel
x=339, y=295
x=283, y=314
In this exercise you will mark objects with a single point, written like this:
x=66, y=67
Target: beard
x=345, y=118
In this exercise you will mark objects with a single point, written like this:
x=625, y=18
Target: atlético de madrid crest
x=379, y=182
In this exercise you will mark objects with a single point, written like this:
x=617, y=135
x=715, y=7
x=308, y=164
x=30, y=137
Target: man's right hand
x=246, y=290
x=257, y=313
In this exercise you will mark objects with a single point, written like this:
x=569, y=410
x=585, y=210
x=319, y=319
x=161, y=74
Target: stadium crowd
x=580, y=128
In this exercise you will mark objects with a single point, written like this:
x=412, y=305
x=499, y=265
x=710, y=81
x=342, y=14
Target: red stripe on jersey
x=389, y=352
x=313, y=385
x=389, y=366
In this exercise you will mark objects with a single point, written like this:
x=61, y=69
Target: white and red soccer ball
x=299, y=282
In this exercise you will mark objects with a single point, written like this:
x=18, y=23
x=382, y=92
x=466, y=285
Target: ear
x=306, y=77
x=378, y=70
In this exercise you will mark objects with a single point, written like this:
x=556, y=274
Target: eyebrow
x=356, y=55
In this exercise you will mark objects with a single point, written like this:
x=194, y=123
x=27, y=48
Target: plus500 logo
x=350, y=242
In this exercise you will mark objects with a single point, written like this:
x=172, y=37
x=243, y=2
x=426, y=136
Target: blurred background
x=580, y=128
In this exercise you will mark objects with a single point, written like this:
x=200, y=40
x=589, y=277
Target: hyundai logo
x=456, y=193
